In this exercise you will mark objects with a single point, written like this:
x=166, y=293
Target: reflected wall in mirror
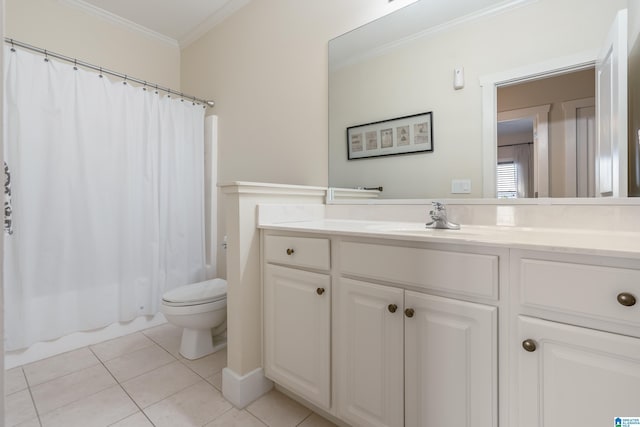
x=403, y=64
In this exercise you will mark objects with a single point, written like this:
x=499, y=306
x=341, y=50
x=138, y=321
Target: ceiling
x=177, y=21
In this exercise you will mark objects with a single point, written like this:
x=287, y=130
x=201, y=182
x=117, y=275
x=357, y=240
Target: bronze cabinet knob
x=626, y=299
x=392, y=308
x=409, y=312
x=320, y=291
x=290, y=251
x=529, y=345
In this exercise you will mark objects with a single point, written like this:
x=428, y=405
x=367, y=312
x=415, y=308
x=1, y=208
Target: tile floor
x=138, y=380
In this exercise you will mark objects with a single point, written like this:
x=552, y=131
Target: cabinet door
x=574, y=376
x=369, y=365
x=297, y=332
x=450, y=362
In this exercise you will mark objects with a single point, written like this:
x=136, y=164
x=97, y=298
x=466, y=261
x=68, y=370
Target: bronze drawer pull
x=626, y=299
x=392, y=308
x=290, y=251
x=409, y=312
x=320, y=291
x=529, y=345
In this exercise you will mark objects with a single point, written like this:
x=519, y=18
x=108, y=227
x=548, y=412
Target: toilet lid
x=197, y=293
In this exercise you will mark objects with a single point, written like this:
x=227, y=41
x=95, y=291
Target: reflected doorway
x=546, y=136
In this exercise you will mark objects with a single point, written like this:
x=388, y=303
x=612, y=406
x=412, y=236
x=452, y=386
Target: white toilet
x=201, y=309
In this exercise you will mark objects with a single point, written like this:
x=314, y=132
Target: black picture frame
x=401, y=135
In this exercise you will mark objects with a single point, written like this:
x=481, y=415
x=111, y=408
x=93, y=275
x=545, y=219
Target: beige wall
x=55, y=26
x=554, y=91
x=423, y=81
x=266, y=68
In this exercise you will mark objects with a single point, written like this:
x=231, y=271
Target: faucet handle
x=437, y=206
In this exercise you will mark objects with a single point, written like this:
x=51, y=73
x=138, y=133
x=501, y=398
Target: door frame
x=489, y=85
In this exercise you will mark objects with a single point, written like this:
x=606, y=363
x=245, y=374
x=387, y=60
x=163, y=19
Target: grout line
x=33, y=401
x=125, y=392
x=305, y=419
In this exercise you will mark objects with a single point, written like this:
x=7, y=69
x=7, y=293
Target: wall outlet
x=460, y=186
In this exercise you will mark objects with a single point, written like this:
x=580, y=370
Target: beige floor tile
x=208, y=365
x=99, y=410
x=277, y=410
x=216, y=380
x=162, y=382
x=193, y=406
x=19, y=408
x=58, y=366
x=71, y=387
x=136, y=420
x=167, y=336
x=236, y=418
x=315, y=420
x=120, y=346
x=14, y=380
x=139, y=362
x=34, y=422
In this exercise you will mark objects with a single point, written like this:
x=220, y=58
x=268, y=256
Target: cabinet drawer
x=297, y=251
x=460, y=273
x=579, y=289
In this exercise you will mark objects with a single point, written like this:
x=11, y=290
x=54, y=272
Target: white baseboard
x=242, y=390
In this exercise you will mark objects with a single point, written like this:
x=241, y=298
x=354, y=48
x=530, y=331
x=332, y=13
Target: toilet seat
x=196, y=293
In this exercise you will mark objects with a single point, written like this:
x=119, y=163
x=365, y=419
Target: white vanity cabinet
x=297, y=316
x=576, y=346
x=407, y=358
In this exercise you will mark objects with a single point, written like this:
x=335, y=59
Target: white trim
x=231, y=7
x=118, y=20
x=569, y=109
x=241, y=390
x=540, y=117
x=489, y=86
x=275, y=189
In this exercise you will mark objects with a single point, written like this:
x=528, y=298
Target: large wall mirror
x=405, y=64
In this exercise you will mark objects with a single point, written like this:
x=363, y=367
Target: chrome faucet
x=439, y=219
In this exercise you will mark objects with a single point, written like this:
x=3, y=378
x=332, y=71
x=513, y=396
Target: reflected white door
x=611, y=112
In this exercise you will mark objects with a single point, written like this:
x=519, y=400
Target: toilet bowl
x=201, y=310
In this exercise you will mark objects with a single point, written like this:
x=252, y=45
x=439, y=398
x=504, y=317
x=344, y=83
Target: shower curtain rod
x=101, y=70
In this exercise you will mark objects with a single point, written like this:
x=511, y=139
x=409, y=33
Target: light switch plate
x=460, y=186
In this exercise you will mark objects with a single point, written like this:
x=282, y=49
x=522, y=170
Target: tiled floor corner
x=139, y=380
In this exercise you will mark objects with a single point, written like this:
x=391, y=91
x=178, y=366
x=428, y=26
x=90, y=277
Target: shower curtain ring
x=144, y=87
x=46, y=56
x=156, y=89
x=125, y=80
x=100, y=75
x=181, y=97
x=75, y=64
x=13, y=49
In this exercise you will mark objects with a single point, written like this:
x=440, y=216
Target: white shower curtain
x=107, y=199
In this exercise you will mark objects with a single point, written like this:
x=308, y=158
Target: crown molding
x=118, y=20
x=230, y=7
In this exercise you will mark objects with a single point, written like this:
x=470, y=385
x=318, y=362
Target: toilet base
x=197, y=343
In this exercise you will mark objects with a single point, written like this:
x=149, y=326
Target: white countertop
x=582, y=241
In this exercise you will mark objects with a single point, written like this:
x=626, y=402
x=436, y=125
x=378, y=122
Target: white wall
x=634, y=98
x=73, y=32
x=266, y=68
x=422, y=75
